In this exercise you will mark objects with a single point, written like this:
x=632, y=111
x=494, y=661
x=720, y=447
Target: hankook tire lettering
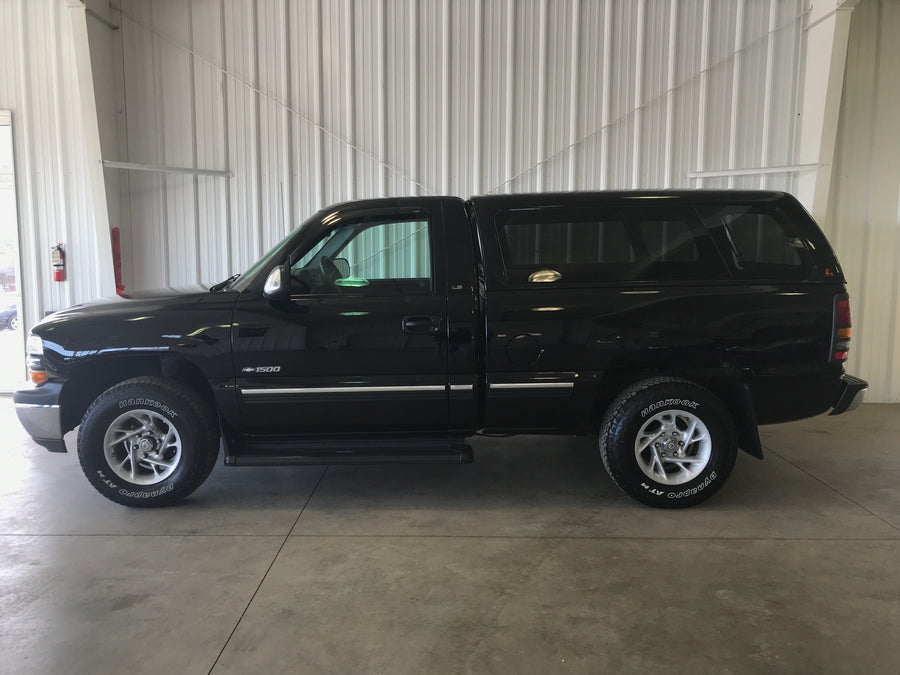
x=667, y=402
x=138, y=402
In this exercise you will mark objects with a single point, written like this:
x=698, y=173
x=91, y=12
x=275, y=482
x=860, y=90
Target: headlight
x=35, y=361
x=34, y=346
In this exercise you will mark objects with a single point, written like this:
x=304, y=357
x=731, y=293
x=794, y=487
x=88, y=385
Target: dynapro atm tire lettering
x=694, y=490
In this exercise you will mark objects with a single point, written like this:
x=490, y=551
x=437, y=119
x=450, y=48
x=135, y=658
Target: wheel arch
x=724, y=384
x=91, y=379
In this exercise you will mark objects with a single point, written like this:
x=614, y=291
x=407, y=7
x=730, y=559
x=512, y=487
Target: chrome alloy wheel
x=673, y=447
x=142, y=447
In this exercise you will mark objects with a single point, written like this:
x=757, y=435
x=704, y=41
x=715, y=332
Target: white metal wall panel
x=465, y=88
x=401, y=94
x=318, y=101
x=177, y=124
x=243, y=131
x=208, y=97
x=496, y=95
x=863, y=220
x=38, y=84
x=106, y=67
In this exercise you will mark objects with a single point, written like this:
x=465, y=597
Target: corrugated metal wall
x=315, y=102
x=39, y=85
x=863, y=220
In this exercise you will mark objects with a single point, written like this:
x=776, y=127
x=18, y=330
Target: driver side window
x=372, y=256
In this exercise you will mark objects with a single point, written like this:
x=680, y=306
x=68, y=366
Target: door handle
x=421, y=325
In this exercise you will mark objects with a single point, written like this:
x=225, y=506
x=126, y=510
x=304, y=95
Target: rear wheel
x=147, y=442
x=668, y=442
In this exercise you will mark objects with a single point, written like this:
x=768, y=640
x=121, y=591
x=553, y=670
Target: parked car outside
x=9, y=317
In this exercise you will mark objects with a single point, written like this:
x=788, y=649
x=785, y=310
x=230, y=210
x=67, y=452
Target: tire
x=13, y=323
x=148, y=442
x=645, y=448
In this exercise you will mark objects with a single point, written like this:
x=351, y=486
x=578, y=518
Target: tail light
x=840, y=341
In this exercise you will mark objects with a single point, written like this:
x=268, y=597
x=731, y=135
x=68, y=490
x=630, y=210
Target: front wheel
x=668, y=442
x=147, y=442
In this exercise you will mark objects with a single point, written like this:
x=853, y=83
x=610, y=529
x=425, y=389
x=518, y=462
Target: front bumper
x=853, y=392
x=38, y=411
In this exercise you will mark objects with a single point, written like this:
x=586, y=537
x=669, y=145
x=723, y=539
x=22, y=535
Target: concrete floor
x=528, y=560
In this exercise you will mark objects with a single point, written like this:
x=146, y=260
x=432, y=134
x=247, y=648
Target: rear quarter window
x=759, y=240
x=610, y=243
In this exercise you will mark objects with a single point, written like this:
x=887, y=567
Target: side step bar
x=293, y=453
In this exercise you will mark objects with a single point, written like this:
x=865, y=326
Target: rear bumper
x=853, y=392
x=38, y=411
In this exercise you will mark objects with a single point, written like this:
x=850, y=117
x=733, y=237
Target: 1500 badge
x=261, y=369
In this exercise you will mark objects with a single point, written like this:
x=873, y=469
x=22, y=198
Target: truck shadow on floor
x=505, y=470
x=524, y=471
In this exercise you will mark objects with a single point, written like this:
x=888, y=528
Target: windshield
x=244, y=280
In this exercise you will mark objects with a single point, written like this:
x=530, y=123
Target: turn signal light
x=38, y=376
x=844, y=333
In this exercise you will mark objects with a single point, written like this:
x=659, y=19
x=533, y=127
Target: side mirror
x=276, y=286
x=343, y=266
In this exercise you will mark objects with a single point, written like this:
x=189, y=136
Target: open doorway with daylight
x=12, y=340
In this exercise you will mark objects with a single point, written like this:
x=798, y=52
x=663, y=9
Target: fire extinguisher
x=58, y=260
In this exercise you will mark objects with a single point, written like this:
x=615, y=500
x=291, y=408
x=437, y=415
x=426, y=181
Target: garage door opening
x=12, y=339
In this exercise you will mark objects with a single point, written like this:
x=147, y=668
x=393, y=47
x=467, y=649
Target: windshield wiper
x=222, y=285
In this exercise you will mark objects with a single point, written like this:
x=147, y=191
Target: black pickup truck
x=671, y=323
